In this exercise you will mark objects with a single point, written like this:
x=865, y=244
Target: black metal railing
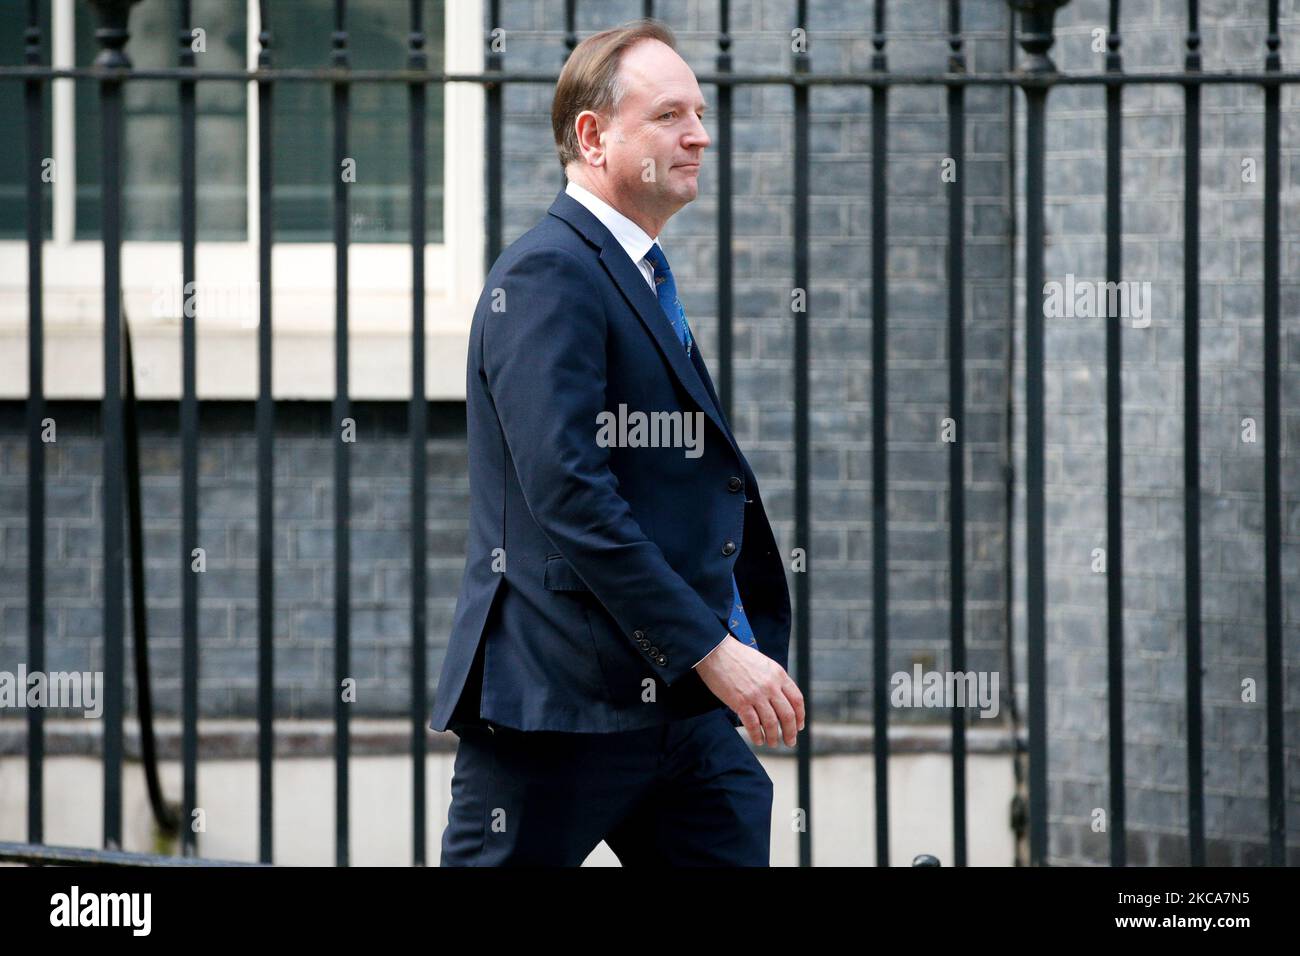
x=41, y=854
x=1036, y=77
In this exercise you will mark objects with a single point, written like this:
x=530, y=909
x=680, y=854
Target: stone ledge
x=237, y=739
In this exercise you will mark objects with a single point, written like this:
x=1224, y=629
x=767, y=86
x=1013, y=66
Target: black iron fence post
x=1114, y=447
x=417, y=427
x=112, y=36
x=957, y=411
x=264, y=425
x=880, y=432
x=802, y=511
x=1036, y=39
x=492, y=158
x=1276, y=690
x=189, y=426
x=1192, y=439
x=724, y=213
x=342, y=442
x=33, y=112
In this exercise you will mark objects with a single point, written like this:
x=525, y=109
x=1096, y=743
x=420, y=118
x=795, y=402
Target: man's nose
x=699, y=136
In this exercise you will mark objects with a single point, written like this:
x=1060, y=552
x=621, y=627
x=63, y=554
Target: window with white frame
x=225, y=299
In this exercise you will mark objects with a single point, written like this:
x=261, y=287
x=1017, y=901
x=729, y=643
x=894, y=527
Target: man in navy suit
x=601, y=656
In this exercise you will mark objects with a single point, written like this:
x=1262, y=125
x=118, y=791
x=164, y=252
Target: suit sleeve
x=544, y=360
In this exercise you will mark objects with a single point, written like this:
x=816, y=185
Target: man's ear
x=591, y=138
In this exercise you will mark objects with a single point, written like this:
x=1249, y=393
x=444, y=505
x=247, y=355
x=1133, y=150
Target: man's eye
x=669, y=113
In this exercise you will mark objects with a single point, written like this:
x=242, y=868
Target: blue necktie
x=666, y=290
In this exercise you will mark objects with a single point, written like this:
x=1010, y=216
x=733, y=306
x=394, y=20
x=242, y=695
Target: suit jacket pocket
x=560, y=575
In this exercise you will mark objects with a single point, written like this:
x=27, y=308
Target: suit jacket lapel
x=633, y=285
x=697, y=359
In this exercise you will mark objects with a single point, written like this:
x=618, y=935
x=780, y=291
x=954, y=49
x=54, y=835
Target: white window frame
x=379, y=275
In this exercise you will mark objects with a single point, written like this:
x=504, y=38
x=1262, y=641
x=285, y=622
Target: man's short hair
x=590, y=79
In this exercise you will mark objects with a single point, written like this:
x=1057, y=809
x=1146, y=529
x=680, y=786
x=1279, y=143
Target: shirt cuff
x=715, y=647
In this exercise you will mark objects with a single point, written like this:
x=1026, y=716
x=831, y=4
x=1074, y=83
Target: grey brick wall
x=303, y=548
x=1231, y=313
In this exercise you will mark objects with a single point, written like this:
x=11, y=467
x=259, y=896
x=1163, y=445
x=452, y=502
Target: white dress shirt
x=629, y=235
x=636, y=244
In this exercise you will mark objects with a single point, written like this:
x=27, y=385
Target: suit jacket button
x=729, y=547
x=734, y=484
x=639, y=635
x=661, y=661
x=653, y=652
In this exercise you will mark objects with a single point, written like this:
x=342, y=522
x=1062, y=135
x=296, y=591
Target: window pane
x=151, y=152
x=13, y=94
x=378, y=201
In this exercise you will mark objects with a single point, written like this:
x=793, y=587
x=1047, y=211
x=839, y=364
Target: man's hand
x=757, y=688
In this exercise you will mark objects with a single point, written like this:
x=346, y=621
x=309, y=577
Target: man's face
x=654, y=146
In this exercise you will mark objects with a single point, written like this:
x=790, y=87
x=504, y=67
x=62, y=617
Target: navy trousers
x=687, y=793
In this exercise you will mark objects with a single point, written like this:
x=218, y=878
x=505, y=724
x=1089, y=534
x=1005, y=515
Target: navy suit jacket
x=596, y=577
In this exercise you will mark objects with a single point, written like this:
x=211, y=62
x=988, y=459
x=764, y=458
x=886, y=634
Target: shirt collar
x=630, y=236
